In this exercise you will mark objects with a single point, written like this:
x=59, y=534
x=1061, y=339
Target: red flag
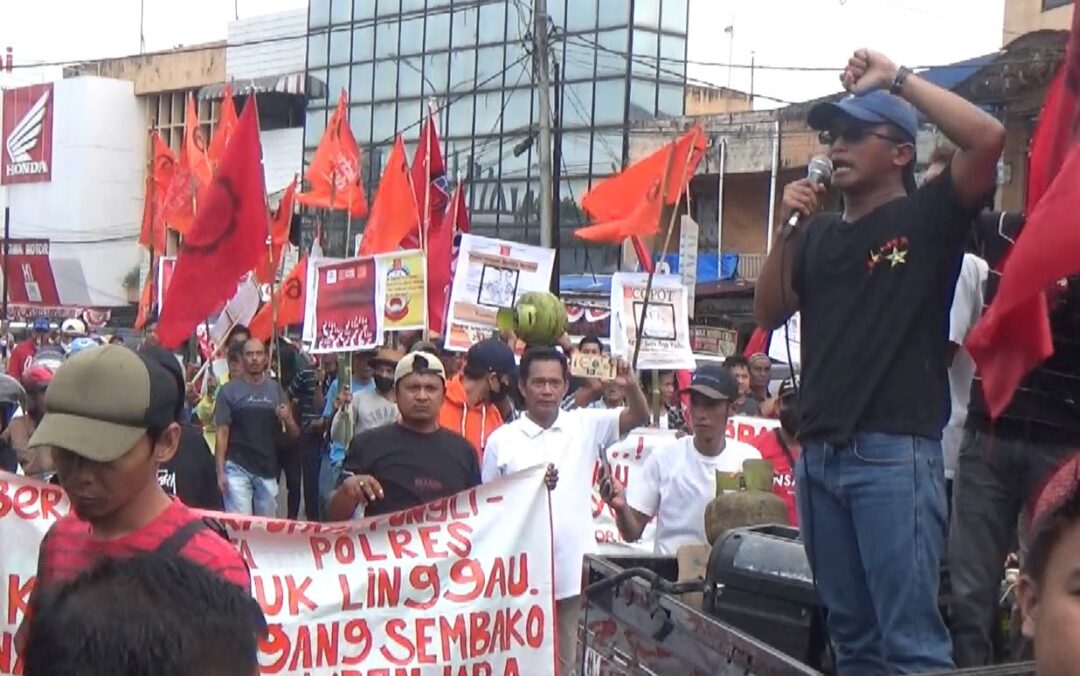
x=429, y=177
x=393, y=215
x=225, y=126
x=226, y=240
x=152, y=230
x=280, y=223
x=193, y=151
x=146, y=302
x=642, y=253
x=334, y=173
x=172, y=190
x=290, y=295
x=440, y=255
x=1013, y=337
x=643, y=221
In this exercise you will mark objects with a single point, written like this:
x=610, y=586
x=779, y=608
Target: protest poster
x=404, y=275
x=462, y=585
x=491, y=274
x=665, y=343
x=781, y=341
x=713, y=340
x=626, y=458
x=348, y=302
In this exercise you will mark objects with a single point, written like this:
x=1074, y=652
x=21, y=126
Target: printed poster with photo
x=404, y=276
x=347, y=313
x=491, y=274
x=665, y=341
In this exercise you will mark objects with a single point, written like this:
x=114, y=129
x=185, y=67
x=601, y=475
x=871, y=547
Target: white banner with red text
x=627, y=457
x=462, y=585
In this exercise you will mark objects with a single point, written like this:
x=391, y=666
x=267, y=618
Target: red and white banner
x=30, y=275
x=347, y=306
x=462, y=585
x=27, y=135
x=627, y=457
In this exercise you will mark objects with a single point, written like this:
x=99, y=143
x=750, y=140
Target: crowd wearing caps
x=477, y=399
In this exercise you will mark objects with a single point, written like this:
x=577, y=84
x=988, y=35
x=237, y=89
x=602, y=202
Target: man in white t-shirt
x=571, y=441
x=679, y=479
x=966, y=309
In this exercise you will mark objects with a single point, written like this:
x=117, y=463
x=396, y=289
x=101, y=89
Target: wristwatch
x=898, y=82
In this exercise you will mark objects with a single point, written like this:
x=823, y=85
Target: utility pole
x=540, y=55
x=556, y=163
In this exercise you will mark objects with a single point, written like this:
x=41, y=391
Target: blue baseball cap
x=41, y=324
x=874, y=107
x=490, y=356
x=715, y=382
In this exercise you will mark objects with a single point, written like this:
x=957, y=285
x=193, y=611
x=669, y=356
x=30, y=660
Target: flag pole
x=153, y=227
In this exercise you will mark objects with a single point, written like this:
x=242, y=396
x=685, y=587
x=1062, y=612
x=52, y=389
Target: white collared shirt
x=572, y=444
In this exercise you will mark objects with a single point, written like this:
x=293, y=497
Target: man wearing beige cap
x=413, y=461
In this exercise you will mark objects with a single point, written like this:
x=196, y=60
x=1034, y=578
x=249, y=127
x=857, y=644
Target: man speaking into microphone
x=873, y=285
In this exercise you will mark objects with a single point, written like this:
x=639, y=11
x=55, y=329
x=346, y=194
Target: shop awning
x=300, y=84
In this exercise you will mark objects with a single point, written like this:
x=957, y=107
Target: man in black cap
x=478, y=399
x=873, y=285
x=679, y=479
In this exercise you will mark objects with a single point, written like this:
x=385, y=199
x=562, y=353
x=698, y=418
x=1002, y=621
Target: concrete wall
x=92, y=208
x=1025, y=16
x=714, y=100
x=161, y=71
x=268, y=58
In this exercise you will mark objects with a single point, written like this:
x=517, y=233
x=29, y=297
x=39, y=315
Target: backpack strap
x=172, y=545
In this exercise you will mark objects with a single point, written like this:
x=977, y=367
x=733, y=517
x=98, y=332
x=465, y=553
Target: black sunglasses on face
x=853, y=135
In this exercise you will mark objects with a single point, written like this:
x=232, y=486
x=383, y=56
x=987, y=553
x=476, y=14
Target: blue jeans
x=873, y=522
x=250, y=493
x=329, y=473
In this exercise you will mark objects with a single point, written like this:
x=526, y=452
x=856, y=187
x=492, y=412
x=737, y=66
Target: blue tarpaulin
x=707, y=271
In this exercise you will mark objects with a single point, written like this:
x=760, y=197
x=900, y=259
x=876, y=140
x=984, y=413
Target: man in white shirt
x=679, y=479
x=572, y=442
x=966, y=309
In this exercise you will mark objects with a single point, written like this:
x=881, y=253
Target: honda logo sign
x=28, y=135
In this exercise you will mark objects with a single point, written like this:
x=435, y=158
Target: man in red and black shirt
x=780, y=446
x=111, y=421
x=24, y=352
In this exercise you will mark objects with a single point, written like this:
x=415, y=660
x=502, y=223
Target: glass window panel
x=642, y=99
x=461, y=117
x=518, y=114
x=316, y=45
x=582, y=15
x=386, y=38
x=607, y=152
x=314, y=126
x=488, y=107
x=438, y=31
x=385, y=79
x=577, y=105
x=673, y=16
x=410, y=114
x=646, y=13
x=462, y=69
x=492, y=23
x=512, y=167
x=363, y=9
x=437, y=3
x=614, y=13
x=575, y=153
x=409, y=81
x=382, y=118
x=412, y=36
x=518, y=65
x=488, y=67
x=321, y=101
x=363, y=43
x=646, y=44
x=408, y=6
x=360, y=86
x=579, y=62
x=340, y=45
x=609, y=102
x=337, y=80
x=319, y=13
x=388, y=7
x=341, y=12
x=556, y=10
x=611, y=53
x=671, y=100
x=464, y=27
x=360, y=122
x=435, y=70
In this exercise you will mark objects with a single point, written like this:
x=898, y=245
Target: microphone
x=818, y=171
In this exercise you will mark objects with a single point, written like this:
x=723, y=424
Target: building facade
x=1028, y=16
x=619, y=61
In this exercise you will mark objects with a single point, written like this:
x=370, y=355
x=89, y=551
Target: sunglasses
x=854, y=135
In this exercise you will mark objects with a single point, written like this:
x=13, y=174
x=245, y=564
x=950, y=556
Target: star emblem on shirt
x=897, y=257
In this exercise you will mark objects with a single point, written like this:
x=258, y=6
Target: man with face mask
x=781, y=448
x=371, y=409
x=478, y=397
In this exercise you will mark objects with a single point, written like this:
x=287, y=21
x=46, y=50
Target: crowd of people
x=861, y=454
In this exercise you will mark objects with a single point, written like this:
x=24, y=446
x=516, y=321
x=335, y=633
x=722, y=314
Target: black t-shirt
x=191, y=475
x=875, y=297
x=250, y=411
x=412, y=468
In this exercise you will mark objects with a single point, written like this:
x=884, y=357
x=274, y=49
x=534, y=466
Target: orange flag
x=152, y=230
x=223, y=131
x=193, y=151
x=280, y=222
x=394, y=215
x=334, y=173
x=290, y=297
x=146, y=303
x=629, y=204
x=172, y=190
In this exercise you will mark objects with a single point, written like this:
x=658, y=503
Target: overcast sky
x=781, y=32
